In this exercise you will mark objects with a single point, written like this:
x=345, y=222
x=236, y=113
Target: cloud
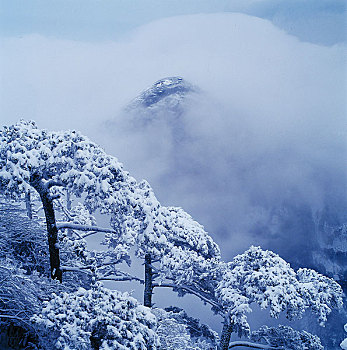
x=263, y=147
x=268, y=97
x=255, y=157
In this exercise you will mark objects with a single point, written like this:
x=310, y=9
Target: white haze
x=272, y=112
x=266, y=137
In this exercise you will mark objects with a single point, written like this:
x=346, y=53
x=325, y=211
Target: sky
x=94, y=20
x=264, y=143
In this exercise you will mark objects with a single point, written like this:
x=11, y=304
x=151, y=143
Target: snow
x=262, y=277
x=184, y=255
x=76, y=316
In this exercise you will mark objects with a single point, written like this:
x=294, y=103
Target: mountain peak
x=167, y=92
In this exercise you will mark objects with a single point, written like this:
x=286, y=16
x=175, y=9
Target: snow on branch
x=247, y=344
x=112, y=319
x=79, y=227
x=74, y=269
x=50, y=183
x=122, y=279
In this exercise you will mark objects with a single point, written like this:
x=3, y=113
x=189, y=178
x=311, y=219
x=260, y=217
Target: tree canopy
x=176, y=250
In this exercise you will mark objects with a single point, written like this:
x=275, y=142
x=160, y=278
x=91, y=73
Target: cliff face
x=331, y=256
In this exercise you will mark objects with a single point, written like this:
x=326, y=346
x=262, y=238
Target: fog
x=267, y=127
x=258, y=154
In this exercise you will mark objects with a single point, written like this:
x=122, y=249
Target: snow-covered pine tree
x=263, y=278
x=284, y=337
x=97, y=318
x=187, y=253
x=177, y=330
x=34, y=158
x=178, y=253
x=24, y=268
x=176, y=250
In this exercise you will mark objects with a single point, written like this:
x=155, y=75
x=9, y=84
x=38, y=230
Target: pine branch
x=80, y=227
x=122, y=279
x=75, y=269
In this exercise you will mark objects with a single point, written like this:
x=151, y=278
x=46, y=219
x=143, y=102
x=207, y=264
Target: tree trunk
x=68, y=207
x=147, y=296
x=68, y=200
x=99, y=334
x=52, y=231
x=28, y=205
x=226, y=335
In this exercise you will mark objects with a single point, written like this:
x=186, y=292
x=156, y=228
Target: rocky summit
x=166, y=94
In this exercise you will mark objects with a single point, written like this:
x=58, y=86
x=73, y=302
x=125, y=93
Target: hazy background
x=257, y=157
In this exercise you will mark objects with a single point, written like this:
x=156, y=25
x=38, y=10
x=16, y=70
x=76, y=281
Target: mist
x=258, y=154
x=267, y=127
x=257, y=157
